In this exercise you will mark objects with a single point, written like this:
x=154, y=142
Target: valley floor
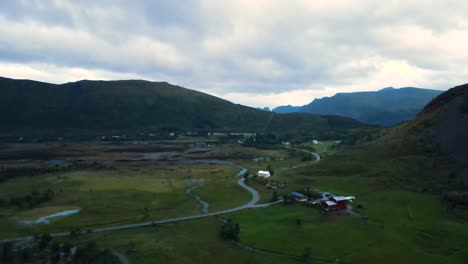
x=121, y=184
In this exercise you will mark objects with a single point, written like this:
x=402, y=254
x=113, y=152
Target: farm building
x=263, y=174
x=336, y=203
x=299, y=196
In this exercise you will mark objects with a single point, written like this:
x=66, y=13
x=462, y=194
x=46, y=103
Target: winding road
x=317, y=157
x=241, y=182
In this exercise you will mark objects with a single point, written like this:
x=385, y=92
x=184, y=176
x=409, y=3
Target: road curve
x=317, y=156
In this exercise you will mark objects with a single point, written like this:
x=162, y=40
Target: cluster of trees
x=9, y=173
x=44, y=250
x=230, y=231
x=288, y=198
x=263, y=141
x=33, y=199
x=311, y=194
x=457, y=198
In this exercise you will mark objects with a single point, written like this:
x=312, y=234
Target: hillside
x=386, y=107
x=428, y=154
x=93, y=107
x=444, y=123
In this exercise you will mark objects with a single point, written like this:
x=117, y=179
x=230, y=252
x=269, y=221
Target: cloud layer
x=259, y=53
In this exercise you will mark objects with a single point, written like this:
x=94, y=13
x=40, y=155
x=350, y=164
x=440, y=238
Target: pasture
x=108, y=197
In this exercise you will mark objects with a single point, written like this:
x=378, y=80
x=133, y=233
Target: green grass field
x=195, y=241
x=328, y=236
x=223, y=195
x=109, y=197
x=405, y=223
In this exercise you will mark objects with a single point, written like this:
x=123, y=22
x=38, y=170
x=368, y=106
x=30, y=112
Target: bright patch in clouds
x=258, y=53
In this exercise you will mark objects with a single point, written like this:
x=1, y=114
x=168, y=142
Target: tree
x=55, y=258
x=48, y=195
x=287, y=198
x=7, y=252
x=298, y=222
x=308, y=193
x=270, y=169
x=230, y=231
x=26, y=254
x=66, y=248
x=75, y=233
x=55, y=248
x=44, y=241
x=307, y=256
x=274, y=196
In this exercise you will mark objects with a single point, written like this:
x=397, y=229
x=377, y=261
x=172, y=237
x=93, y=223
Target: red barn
x=335, y=203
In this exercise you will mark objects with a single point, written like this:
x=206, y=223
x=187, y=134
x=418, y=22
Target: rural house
x=299, y=196
x=263, y=174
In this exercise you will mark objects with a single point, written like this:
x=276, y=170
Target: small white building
x=263, y=174
x=315, y=142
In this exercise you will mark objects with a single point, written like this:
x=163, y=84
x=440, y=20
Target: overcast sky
x=254, y=52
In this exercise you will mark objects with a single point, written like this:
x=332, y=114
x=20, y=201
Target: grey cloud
x=239, y=46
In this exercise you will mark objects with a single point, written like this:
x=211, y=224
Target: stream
x=45, y=219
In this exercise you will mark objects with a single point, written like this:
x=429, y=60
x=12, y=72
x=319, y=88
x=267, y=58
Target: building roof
x=340, y=198
x=297, y=194
x=263, y=173
x=330, y=203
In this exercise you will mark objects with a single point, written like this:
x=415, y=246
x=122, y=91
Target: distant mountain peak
x=390, y=88
x=388, y=106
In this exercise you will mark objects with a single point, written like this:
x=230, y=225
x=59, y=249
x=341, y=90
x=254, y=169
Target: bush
x=6, y=254
x=230, y=231
x=274, y=196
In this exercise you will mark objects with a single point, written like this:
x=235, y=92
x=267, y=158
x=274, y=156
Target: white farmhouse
x=263, y=174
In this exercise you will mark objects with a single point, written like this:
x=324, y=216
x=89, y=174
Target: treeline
x=265, y=141
x=31, y=200
x=9, y=173
x=43, y=249
x=456, y=199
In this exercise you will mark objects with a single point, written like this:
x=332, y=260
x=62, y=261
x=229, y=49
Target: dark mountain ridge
x=92, y=107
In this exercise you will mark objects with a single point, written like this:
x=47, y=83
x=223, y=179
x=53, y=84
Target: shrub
x=230, y=231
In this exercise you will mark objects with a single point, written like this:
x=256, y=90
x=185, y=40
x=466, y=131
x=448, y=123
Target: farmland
x=132, y=184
